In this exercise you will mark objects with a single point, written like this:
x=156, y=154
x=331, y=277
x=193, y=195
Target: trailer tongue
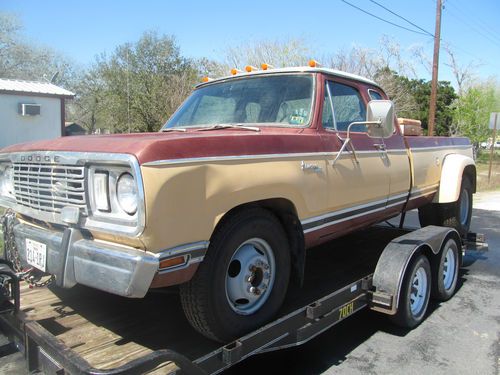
x=65, y=333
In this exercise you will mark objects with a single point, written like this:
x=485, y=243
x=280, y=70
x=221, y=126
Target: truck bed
x=109, y=331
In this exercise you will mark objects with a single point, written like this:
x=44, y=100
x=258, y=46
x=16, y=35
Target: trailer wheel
x=454, y=215
x=415, y=292
x=242, y=282
x=445, y=272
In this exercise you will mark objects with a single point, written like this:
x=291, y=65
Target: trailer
x=86, y=331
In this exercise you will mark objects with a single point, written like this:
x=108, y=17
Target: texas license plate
x=36, y=254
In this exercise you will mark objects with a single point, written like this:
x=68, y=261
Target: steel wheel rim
x=250, y=276
x=464, y=207
x=449, y=269
x=418, y=291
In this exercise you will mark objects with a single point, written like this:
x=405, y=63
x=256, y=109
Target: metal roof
x=33, y=87
x=298, y=69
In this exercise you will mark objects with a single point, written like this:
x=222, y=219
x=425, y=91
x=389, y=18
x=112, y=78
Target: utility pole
x=493, y=141
x=435, y=64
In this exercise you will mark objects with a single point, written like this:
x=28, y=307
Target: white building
x=31, y=111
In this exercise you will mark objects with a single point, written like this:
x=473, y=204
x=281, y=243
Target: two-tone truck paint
x=251, y=171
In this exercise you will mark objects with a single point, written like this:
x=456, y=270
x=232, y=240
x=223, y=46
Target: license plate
x=36, y=254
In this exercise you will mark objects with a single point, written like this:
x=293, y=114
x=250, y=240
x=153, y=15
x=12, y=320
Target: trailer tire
x=219, y=301
x=415, y=292
x=455, y=215
x=445, y=272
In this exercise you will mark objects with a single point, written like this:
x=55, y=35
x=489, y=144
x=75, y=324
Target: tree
x=472, y=111
x=88, y=107
x=464, y=74
x=143, y=83
x=420, y=90
x=20, y=59
x=398, y=90
x=279, y=53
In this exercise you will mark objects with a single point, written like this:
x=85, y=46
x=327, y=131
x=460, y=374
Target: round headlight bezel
x=127, y=193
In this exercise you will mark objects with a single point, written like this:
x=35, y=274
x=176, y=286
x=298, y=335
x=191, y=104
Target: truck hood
x=148, y=147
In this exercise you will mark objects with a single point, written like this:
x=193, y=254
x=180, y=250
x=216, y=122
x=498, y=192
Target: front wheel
x=243, y=279
x=415, y=292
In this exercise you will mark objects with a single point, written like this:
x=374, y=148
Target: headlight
x=6, y=181
x=116, y=195
x=126, y=192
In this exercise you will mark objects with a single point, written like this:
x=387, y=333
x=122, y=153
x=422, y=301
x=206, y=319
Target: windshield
x=283, y=100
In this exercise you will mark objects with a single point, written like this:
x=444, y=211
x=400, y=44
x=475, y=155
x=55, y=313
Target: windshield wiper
x=166, y=130
x=230, y=126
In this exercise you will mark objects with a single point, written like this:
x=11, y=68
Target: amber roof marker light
x=206, y=79
x=265, y=66
x=314, y=64
x=251, y=68
x=235, y=71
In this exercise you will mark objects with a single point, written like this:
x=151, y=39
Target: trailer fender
x=393, y=263
x=451, y=177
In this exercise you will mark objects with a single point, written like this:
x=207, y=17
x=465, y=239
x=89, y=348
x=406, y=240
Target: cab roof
x=299, y=69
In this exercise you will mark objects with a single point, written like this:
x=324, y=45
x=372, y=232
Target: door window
x=348, y=106
x=375, y=95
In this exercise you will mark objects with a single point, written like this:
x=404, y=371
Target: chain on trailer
x=32, y=276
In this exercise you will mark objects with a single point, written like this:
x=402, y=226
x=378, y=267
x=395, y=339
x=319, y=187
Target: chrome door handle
x=310, y=167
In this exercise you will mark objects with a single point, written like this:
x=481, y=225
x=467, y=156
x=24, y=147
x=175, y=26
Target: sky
x=81, y=30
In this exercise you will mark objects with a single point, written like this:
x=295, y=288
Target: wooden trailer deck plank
x=86, y=334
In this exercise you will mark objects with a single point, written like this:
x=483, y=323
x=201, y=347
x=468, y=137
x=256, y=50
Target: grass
x=484, y=156
x=483, y=164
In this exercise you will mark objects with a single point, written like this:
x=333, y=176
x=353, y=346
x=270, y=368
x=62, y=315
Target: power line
x=383, y=20
x=403, y=18
x=473, y=28
x=478, y=22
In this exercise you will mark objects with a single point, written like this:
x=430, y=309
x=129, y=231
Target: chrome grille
x=49, y=187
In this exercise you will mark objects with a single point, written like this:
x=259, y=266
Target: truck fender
x=395, y=259
x=451, y=177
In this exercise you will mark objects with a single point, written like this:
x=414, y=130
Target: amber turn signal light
x=172, y=262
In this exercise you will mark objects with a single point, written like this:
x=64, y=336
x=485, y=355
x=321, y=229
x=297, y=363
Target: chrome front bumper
x=74, y=259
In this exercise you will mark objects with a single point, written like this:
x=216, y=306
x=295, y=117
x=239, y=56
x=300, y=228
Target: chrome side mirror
x=380, y=118
x=379, y=121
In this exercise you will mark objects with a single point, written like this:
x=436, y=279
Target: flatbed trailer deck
x=83, y=330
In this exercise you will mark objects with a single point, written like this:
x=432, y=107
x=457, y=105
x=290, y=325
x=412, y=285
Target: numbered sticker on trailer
x=36, y=254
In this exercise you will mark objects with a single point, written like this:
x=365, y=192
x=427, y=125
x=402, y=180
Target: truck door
x=357, y=190
x=398, y=163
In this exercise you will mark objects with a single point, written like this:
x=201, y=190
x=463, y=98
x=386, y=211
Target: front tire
x=415, y=292
x=242, y=282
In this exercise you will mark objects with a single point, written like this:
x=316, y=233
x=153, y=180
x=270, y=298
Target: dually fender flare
x=451, y=177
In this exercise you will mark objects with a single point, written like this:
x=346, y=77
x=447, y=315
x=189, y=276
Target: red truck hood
x=147, y=147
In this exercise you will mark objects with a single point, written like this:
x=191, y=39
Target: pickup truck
x=248, y=173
